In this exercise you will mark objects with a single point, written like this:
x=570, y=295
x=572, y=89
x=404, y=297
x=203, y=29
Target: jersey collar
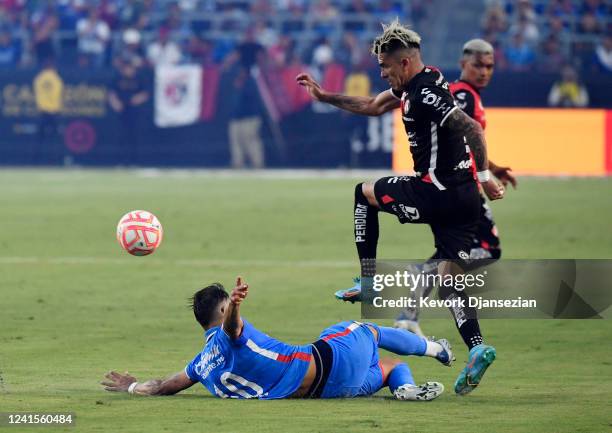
x=210, y=332
x=413, y=80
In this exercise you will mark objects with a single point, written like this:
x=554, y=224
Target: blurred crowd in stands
x=530, y=35
x=93, y=34
x=546, y=36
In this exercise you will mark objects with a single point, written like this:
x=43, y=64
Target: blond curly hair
x=395, y=36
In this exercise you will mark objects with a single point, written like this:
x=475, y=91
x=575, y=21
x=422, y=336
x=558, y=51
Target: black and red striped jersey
x=440, y=155
x=468, y=99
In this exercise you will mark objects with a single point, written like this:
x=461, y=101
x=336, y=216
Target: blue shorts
x=355, y=369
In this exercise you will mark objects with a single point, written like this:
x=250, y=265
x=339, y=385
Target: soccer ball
x=139, y=232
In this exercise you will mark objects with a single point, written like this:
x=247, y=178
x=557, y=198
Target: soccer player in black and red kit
x=477, y=64
x=445, y=143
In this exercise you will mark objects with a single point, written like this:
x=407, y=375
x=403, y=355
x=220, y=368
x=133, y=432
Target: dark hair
x=395, y=45
x=206, y=301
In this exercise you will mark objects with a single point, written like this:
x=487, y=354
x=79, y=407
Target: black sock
x=366, y=232
x=465, y=317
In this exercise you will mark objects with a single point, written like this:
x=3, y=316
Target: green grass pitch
x=73, y=305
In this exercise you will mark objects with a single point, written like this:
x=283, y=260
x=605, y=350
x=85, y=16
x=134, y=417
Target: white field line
x=131, y=261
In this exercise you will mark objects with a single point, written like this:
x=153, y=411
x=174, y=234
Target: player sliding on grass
x=443, y=192
x=477, y=63
x=239, y=361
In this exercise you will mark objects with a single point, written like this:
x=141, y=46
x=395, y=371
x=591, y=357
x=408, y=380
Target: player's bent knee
x=387, y=365
x=367, y=189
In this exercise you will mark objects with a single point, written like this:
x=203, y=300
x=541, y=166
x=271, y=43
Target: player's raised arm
x=118, y=382
x=461, y=122
x=232, y=324
x=366, y=105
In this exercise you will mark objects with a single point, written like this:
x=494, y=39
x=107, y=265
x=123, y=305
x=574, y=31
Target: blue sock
x=399, y=376
x=401, y=342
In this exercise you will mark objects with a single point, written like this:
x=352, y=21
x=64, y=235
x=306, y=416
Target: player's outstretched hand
x=493, y=189
x=240, y=292
x=505, y=176
x=117, y=382
x=311, y=85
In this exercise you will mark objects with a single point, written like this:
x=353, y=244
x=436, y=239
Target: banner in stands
x=178, y=95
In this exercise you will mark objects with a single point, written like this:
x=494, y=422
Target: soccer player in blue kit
x=239, y=361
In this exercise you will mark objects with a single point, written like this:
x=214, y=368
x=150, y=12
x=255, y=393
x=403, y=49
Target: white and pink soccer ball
x=139, y=232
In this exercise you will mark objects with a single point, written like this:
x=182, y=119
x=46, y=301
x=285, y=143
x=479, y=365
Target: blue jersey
x=252, y=366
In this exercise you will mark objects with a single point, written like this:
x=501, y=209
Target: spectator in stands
x=527, y=28
x=351, y=53
x=557, y=28
x=136, y=14
x=563, y=9
x=179, y=28
x=494, y=21
x=388, y=10
x=200, y=50
x=322, y=54
x=325, y=16
x=248, y=53
x=568, y=92
x=163, y=51
x=48, y=94
x=261, y=7
x=127, y=95
x=519, y=55
x=358, y=8
x=498, y=53
x=603, y=55
x=265, y=34
x=43, y=25
x=9, y=53
x=599, y=8
x=93, y=36
x=130, y=50
x=589, y=25
x=551, y=58
x=246, y=145
x=525, y=11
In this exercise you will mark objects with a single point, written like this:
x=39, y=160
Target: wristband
x=131, y=387
x=484, y=176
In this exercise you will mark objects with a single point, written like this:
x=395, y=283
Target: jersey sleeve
x=435, y=103
x=247, y=331
x=190, y=369
x=465, y=101
x=397, y=94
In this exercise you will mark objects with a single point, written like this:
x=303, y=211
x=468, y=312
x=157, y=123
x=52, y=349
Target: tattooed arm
x=369, y=106
x=460, y=122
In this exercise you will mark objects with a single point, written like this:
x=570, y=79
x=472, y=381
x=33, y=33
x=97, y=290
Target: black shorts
x=486, y=244
x=452, y=214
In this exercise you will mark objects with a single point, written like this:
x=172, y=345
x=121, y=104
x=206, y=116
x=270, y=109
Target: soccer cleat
x=427, y=391
x=481, y=357
x=352, y=294
x=446, y=356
